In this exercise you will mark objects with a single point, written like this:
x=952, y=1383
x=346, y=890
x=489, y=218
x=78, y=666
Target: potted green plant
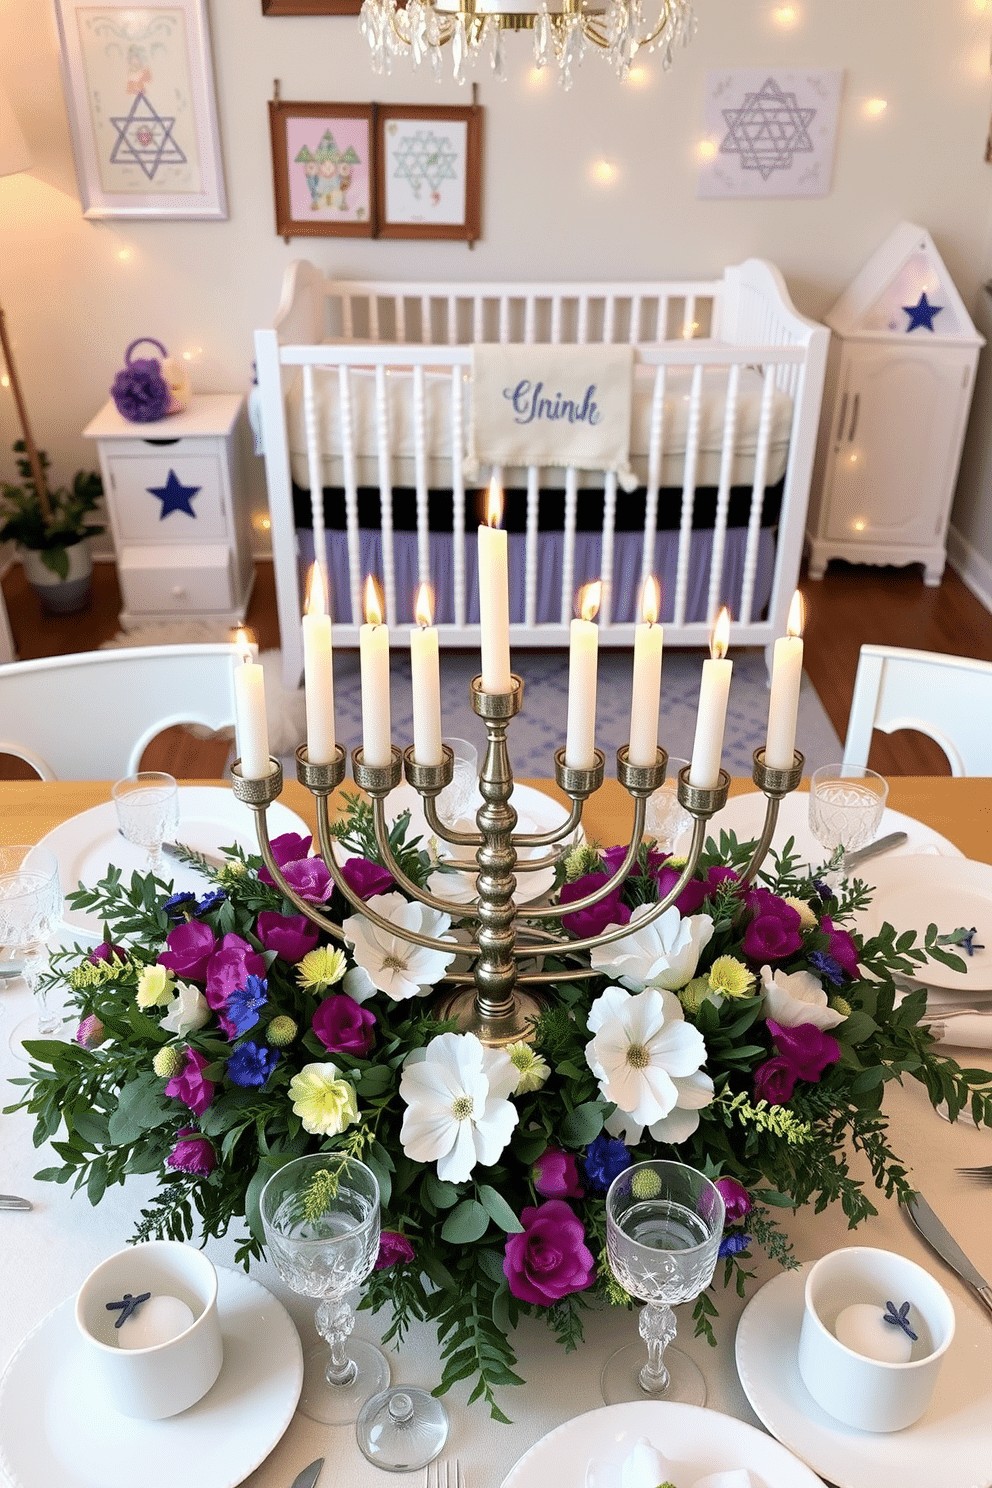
x=52, y=531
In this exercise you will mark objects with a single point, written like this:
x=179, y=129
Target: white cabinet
x=175, y=494
x=899, y=387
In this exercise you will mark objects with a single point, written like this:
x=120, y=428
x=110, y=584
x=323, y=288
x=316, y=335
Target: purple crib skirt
x=626, y=572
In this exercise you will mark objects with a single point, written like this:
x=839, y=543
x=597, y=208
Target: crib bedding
x=401, y=418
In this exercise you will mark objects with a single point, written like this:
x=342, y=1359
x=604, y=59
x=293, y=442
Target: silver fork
x=444, y=1473
x=980, y=1175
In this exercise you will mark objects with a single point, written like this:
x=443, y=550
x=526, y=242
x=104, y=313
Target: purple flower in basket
x=140, y=392
x=190, y=947
x=775, y=932
x=244, y=1003
x=549, y=1259
x=288, y=848
x=733, y=1245
x=842, y=948
x=106, y=951
x=394, y=1249
x=192, y=1153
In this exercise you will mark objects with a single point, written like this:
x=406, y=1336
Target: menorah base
x=513, y=1027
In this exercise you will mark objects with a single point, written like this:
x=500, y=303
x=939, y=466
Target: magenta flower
x=737, y=1201
x=190, y=947
x=106, y=951
x=556, y=1175
x=366, y=878
x=614, y=856
x=343, y=1026
x=229, y=968
x=842, y=947
x=775, y=932
x=90, y=1032
x=550, y=1258
x=690, y=900
x=286, y=849
x=192, y=1153
x=774, y=1081
x=290, y=936
x=803, y=1054
x=309, y=878
x=609, y=911
x=394, y=1249
x=189, y=1086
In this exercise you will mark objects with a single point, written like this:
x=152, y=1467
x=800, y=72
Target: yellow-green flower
x=842, y=1006
x=324, y=1102
x=694, y=993
x=155, y=986
x=168, y=1061
x=807, y=919
x=321, y=968
x=532, y=1070
x=730, y=977
x=282, y=1031
x=581, y=860
x=231, y=871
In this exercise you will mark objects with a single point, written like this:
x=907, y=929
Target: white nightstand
x=175, y=494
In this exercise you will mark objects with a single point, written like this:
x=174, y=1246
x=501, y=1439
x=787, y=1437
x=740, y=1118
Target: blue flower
x=176, y=906
x=823, y=890
x=827, y=966
x=605, y=1158
x=216, y=896
x=244, y=1003
x=251, y=1064
x=733, y=1245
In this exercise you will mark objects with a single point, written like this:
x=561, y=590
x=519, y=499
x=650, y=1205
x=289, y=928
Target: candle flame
x=423, y=610
x=720, y=641
x=590, y=597
x=316, y=600
x=375, y=605
x=494, y=505
x=244, y=646
x=797, y=615
x=650, y=600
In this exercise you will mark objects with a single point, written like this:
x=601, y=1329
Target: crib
x=361, y=406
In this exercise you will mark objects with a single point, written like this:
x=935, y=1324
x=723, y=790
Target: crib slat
x=384, y=451
x=374, y=318
x=609, y=318
x=568, y=547
x=458, y=374
x=606, y=551
x=531, y=571
x=656, y=438
x=400, y=307
x=634, y=332
x=426, y=336
x=529, y=319
x=556, y=308
x=689, y=323
x=347, y=319
x=727, y=456
x=316, y=475
x=582, y=334
x=757, y=495
x=688, y=495
x=452, y=321
x=350, y=492
x=478, y=318
x=420, y=475
x=504, y=319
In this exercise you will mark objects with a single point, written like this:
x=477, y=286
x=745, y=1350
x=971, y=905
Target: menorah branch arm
x=548, y=839
x=557, y=911
x=437, y=826
x=423, y=896
x=314, y=915
x=776, y=783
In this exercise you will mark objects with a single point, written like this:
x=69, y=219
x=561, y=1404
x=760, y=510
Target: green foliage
x=22, y=520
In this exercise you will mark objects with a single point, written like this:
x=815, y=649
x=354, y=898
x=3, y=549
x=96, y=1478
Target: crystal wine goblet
x=321, y=1219
x=845, y=806
x=147, y=806
x=666, y=818
x=664, y=1222
x=30, y=908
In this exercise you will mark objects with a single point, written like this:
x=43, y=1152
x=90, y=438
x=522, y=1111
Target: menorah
x=499, y=999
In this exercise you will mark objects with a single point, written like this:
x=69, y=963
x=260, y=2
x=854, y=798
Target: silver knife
x=851, y=860
x=940, y=1240
x=12, y=1201
x=308, y=1477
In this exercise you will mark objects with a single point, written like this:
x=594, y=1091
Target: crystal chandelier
x=563, y=31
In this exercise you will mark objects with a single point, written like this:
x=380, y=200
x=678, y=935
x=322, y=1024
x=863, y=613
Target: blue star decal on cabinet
x=921, y=314
x=174, y=496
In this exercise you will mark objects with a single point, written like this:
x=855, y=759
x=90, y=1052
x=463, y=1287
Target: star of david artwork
x=768, y=131
x=921, y=315
x=425, y=159
x=174, y=496
x=769, y=134
x=143, y=137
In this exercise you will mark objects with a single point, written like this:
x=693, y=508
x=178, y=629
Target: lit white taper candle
x=373, y=645
x=425, y=674
x=251, y=724
x=645, y=700
x=714, y=690
x=494, y=597
x=583, y=658
x=318, y=673
x=783, y=705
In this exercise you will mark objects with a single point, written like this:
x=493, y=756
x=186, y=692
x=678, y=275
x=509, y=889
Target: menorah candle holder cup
x=321, y=779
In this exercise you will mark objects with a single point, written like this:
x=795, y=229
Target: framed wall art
x=310, y=7
x=139, y=92
x=428, y=171
x=322, y=169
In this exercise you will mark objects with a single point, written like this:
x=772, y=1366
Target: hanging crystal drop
x=497, y=55
x=458, y=51
x=542, y=38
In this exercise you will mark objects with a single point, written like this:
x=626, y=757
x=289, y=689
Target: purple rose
x=90, y=1032
x=192, y=1154
x=605, y=1158
x=394, y=1249
x=593, y=921
x=550, y=1258
x=366, y=878
x=140, y=392
x=690, y=900
x=807, y=1048
x=190, y=947
x=309, y=878
x=774, y=1081
x=775, y=931
x=290, y=936
x=343, y=1026
x=229, y=968
x=106, y=951
x=842, y=947
x=736, y=1199
x=189, y=1086
x=251, y=1064
x=288, y=848
x=614, y=856
x=556, y=1175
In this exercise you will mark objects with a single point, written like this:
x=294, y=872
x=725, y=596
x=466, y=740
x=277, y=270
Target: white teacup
x=872, y=1394
x=160, y=1379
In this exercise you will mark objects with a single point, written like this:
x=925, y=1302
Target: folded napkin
x=647, y=1468
x=965, y=1030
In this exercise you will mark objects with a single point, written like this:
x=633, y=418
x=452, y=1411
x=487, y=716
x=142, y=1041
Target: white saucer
x=57, y=1429
x=745, y=815
x=589, y=1451
x=210, y=817
x=949, y=1447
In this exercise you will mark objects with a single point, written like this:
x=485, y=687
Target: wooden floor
x=848, y=607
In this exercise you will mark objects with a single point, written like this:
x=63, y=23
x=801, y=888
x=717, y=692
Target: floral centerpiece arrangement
x=747, y=1031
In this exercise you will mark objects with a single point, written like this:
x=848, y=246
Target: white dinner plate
x=949, y=1447
x=58, y=1429
x=591, y=1449
x=914, y=892
x=745, y=815
x=210, y=817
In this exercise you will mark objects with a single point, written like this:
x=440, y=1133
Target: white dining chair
x=948, y=698
x=90, y=715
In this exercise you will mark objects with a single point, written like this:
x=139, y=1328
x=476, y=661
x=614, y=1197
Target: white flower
x=358, y=985
x=797, y=997
x=395, y=965
x=457, y=1108
x=662, y=954
x=188, y=1010
x=647, y=1059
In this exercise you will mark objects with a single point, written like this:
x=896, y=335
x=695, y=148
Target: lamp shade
x=14, y=153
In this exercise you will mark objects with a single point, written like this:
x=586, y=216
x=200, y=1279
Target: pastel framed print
x=322, y=169
x=429, y=171
x=139, y=92
x=310, y=7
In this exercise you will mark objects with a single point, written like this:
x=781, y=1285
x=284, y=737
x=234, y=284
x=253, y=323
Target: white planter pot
x=61, y=596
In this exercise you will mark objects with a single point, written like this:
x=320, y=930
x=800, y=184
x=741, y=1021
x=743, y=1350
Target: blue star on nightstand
x=174, y=496
x=921, y=314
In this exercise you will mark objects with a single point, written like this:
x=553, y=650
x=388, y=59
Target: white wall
x=73, y=303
